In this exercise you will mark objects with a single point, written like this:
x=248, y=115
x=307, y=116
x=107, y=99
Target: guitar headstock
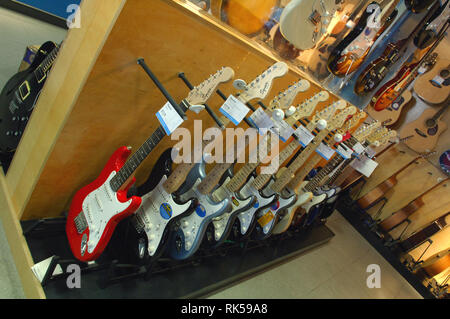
x=373, y=135
x=284, y=99
x=352, y=122
x=306, y=108
x=328, y=112
x=339, y=120
x=366, y=131
x=261, y=85
x=202, y=92
x=386, y=137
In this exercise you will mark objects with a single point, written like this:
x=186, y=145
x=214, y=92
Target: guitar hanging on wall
x=434, y=87
x=98, y=207
x=19, y=96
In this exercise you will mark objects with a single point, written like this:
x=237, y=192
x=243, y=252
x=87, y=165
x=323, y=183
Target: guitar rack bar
x=177, y=108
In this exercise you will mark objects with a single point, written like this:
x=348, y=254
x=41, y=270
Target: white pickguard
x=275, y=208
x=99, y=207
x=284, y=223
x=190, y=225
x=154, y=205
x=220, y=223
x=245, y=218
x=314, y=201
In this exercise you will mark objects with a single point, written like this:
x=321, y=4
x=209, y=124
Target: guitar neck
x=331, y=165
x=440, y=112
x=47, y=63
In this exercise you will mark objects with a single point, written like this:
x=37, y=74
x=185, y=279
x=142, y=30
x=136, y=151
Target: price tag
x=304, y=136
x=364, y=165
x=282, y=129
x=345, y=153
x=358, y=148
x=266, y=218
x=169, y=118
x=438, y=80
x=261, y=120
x=422, y=70
x=370, y=152
x=325, y=151
x=234, y=109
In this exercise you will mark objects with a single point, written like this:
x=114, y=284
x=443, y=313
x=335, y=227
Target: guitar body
x=351, y=52
x=220, y=228
x=110, y=208
x=186, y=240
x=246, y=219
x=267, y=218
x=391, y=114
x=303, y=22
x=418, y=6
x=377, y=193
x=401, y=215
x=247, y=16
x=422, y=138
x=288, y=213
x=18, y=99
x=434, y=86
x=390, y=91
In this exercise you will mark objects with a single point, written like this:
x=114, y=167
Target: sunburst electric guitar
x=98, y=207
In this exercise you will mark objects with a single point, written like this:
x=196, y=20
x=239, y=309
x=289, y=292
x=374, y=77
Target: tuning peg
x=338, y=138
x=291, y=110
x=322, y=124
x=197, y=108
x=278, y=114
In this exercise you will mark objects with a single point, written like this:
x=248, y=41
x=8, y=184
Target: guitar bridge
x=81, y=223
x=420, y=132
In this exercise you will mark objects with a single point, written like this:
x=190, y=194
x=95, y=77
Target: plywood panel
x=118, y=102
x=62, y=88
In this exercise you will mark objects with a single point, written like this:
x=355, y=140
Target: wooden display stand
x=97, y=99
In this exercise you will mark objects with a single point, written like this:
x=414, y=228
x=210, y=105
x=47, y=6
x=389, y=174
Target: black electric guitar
x=19, y=96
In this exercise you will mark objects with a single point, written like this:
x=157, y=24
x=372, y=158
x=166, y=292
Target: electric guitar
x=268, y=218
x=241, y=223
x=376, y=71
x=434, y=86
x=19, y=96
x=220, y=227
x=304, y=22
x=352, y=51
x=98, y=207
x=186, y=240
x=424, y=132
x=317, y=198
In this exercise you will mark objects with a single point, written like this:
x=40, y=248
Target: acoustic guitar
x=434, y=87
x=246, y=16
x=379, y=191
x=437, y=263
x=424, y=132
x=401, y=215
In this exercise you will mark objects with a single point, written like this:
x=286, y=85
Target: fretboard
x=45, y=65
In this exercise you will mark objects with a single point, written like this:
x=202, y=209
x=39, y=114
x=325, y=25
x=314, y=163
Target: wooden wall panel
x=118, y=102
x=416, y=179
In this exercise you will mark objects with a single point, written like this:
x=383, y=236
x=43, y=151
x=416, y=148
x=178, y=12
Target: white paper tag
x=364, y=165
x=370, y=152
x=40, y=269
x=358, y=148
x=169, y=118
x=345, y=153
x=282, y=129
x=304, y=136
x=234, y=109
x=325, y=151
x=261, y=120
x=422, y=70
x=438, y=80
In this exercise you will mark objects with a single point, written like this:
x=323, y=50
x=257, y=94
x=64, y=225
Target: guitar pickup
x=24, y=90
x=41, y=76
x=315, y=17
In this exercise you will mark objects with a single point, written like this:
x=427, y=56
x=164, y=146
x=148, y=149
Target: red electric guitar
x=98, y=207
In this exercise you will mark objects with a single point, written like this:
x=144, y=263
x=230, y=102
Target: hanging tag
x=370, y=152
x=169, y=118
x=364, y=165
x=304, y=136
x=282, y=129
x=325, y=151
x=438, y=80
x=234, y=109
x=345, y=154
x=261, y=120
